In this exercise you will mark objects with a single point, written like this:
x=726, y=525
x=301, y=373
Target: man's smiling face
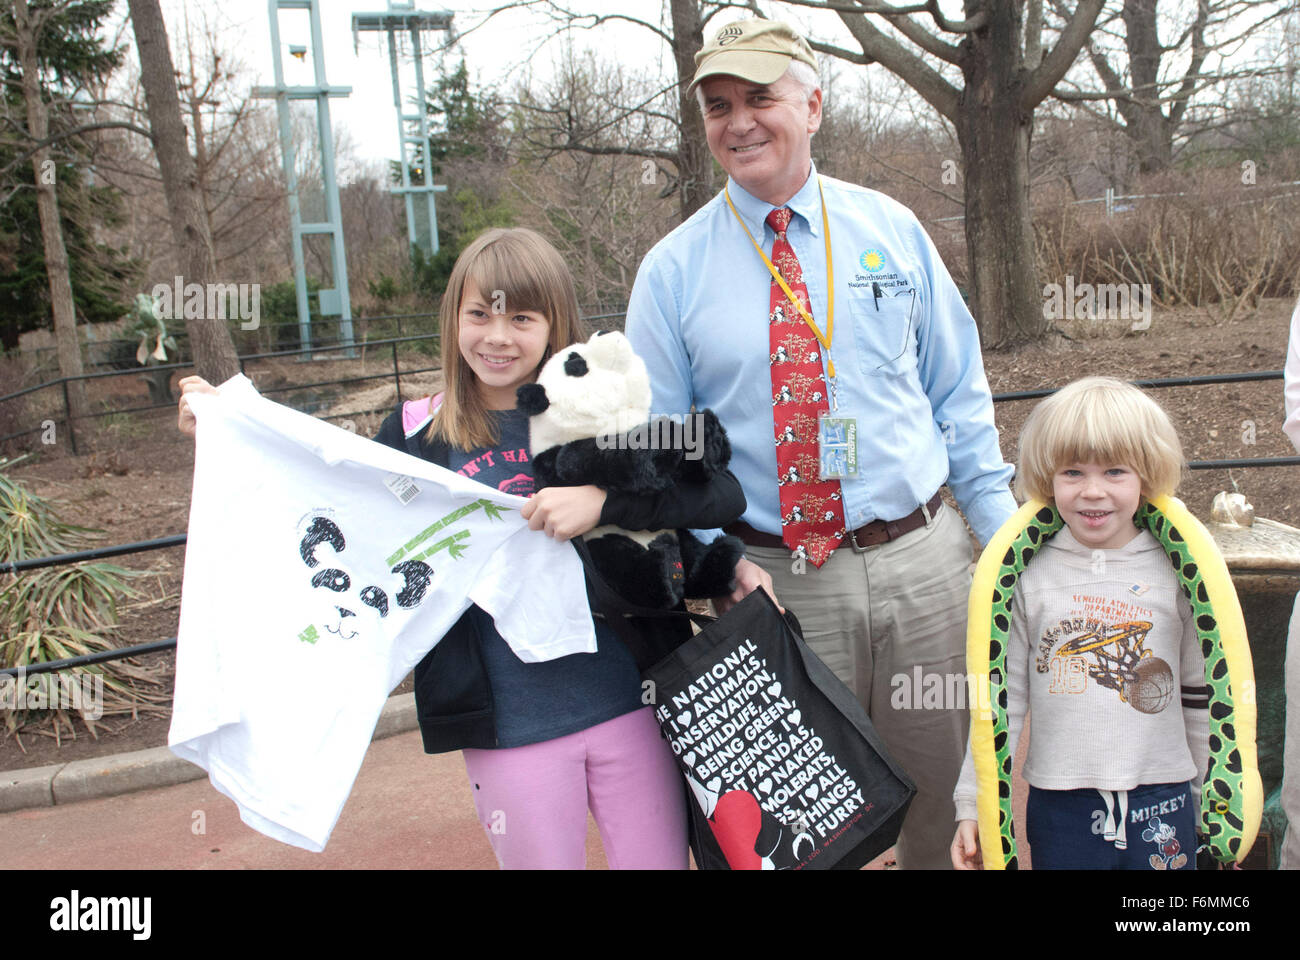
x=761, y=134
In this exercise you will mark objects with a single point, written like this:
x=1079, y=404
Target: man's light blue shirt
x=907, y=362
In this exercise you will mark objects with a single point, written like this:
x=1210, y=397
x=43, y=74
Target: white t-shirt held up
x=320, y=568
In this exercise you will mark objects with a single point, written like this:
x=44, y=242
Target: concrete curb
x=119, y=773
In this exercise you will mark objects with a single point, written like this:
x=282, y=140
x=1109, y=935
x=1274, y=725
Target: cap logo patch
x=728, y=34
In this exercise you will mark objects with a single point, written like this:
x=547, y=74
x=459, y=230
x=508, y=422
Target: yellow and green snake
x=1232, y=795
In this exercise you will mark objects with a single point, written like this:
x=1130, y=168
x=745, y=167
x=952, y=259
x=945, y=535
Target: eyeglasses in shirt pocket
x=885, y=332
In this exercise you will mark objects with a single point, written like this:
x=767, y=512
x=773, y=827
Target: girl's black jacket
x=453, y=697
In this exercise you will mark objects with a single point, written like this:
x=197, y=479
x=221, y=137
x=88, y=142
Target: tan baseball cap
x=756, y=50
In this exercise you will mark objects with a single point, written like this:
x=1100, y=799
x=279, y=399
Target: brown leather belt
x=872, y=534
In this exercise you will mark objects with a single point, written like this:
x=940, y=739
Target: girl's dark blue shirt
x=542, y=701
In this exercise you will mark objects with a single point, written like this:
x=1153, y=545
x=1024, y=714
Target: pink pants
x=533, y=800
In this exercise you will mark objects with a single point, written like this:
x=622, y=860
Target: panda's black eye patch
x=575, y=365
x=375, y=597
x=332, y=579
x=322, y=530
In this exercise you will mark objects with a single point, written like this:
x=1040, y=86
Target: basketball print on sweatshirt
x=1083, y=650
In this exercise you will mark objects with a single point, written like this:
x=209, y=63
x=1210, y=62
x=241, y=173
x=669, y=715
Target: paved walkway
x=407, y=810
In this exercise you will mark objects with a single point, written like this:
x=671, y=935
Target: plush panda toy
x=590, y=424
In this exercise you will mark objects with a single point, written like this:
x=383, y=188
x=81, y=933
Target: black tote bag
x=782, y=765
x=784, y=768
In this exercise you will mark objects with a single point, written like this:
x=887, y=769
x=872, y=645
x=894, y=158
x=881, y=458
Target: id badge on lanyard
x=837, y=447
x=837, y=442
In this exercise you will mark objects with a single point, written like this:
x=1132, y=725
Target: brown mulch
x=137, y=486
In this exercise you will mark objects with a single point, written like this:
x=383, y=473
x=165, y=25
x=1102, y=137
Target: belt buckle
x=853, y=543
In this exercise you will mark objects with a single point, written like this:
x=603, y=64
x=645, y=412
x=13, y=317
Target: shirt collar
x=807, y=203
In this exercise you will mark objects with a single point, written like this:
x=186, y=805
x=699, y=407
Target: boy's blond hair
x=1098, y=420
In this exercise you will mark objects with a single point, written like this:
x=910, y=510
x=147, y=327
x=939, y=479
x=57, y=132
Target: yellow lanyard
x=825, y=341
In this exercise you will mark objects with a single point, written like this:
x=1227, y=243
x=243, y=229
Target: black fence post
x=67, y=410
x=397, y=378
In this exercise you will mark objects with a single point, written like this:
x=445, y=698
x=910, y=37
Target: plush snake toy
x=1232, y=794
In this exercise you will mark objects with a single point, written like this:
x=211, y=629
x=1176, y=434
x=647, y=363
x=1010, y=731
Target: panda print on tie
x=798, y=399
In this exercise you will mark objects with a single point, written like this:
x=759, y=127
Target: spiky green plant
x=58, y=612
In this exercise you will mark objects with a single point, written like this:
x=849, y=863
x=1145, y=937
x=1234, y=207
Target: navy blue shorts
x=1152, y=827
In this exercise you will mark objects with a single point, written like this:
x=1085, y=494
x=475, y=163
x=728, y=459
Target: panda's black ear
x=575, y=365
x=531, y=398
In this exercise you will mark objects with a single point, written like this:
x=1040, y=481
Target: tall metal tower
x=412, y=128
x=334, y=302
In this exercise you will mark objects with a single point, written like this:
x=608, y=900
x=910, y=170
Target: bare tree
x=595, y=207
x=1138, y=73
x=676, y=145
x=1005, y=74
x=28, y=24
x=214, y=352
x=236, y=145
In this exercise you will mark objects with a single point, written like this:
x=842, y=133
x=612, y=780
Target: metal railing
x=20, y=566
x=67, y=407
x=62, y=382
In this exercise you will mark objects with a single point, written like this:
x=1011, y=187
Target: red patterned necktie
x=812, y=511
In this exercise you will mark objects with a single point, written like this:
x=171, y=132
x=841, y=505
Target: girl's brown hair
x=516, y=265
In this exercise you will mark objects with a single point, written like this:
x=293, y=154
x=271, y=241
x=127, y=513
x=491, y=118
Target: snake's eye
x=1221, y=806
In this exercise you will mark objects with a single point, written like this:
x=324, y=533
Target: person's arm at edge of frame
x=1291, y=381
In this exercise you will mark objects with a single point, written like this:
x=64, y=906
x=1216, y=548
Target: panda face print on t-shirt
x=350, y=594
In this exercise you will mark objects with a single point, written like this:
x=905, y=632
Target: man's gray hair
x=800, y=72
x=805, y=76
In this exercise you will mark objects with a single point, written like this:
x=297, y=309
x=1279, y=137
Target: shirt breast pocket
x=885, y=331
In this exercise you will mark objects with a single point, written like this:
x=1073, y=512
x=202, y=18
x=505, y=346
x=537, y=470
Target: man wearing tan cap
x=817, y=320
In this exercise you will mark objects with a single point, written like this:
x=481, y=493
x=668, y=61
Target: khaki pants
x=874, y=617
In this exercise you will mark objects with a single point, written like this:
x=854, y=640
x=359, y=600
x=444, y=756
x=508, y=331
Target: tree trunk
x=994, y=135
x=1146, y=124
x=695, y=166
x=47, y=205
x=214, y=352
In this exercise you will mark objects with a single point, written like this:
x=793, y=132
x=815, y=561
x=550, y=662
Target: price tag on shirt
x=837, y=447
x=403, y=487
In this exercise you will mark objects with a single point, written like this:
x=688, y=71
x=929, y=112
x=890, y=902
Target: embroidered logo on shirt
x=872, y=260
